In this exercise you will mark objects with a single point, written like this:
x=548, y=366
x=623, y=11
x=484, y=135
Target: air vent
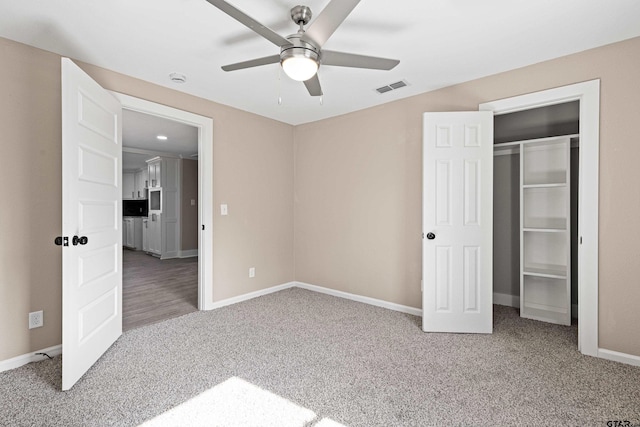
x=392, y=86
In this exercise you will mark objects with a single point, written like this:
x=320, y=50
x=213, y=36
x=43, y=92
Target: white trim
x=588, y=93
x=616, y=356
x=251, y=295
x=360, y=298
x=189, y=253
x=205, y=184
x=506, y=299
x=21, y=360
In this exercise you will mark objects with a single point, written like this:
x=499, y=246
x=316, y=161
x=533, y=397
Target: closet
x=535, y=211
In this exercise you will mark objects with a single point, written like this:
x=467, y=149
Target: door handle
x=431, y=236
x=61, y=241
x=81, y=240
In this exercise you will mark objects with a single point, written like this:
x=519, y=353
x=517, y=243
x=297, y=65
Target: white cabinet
x=132, y=233
x=145, y=234
x=545, y=238
x=128, y=185
x=154, y=234
x=163, y=231
x=128, y=237
x=141, y=178
x=154, y=168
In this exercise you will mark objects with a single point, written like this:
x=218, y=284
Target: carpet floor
x=300, y=358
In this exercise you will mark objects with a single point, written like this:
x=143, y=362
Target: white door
x=91, y=208
x=457, y=222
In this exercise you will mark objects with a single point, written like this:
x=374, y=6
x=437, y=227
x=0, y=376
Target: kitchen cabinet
x=154, y=168
x=128, y=237
x=163, y=231
x=154, y=234
x=128, y=184
x=145, y=234
x=141, y=179
x=132, y=233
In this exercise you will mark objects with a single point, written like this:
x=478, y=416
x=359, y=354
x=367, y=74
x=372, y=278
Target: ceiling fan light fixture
x=299, y=63
x=300, y=68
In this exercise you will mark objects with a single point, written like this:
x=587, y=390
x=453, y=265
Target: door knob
x=431, y=236
x=81, y=240
x=61, y=241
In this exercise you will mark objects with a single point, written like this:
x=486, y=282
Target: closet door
x=545, y=222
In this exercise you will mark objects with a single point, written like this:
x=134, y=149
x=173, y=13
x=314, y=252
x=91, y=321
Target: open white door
x=91, y=209
x=457, y=222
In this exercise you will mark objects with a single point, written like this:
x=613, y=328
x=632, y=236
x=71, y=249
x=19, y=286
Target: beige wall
x=253, y=173
x=358, y=187
x=189, y=213
x=356, y=217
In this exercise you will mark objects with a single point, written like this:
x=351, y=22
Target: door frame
x=588, y=93
x=205, y=184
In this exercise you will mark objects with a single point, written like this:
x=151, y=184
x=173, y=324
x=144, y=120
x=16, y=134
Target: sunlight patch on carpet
x=236, y=402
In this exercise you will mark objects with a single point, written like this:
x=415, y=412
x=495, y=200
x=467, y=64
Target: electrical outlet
x=36, y=319
x=252, y=272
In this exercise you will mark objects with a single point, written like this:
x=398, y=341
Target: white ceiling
x=439, y=43
x=139, y=134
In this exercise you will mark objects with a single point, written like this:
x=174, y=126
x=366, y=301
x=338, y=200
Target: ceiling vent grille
x=392, y=86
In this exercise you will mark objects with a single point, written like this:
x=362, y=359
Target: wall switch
x=36, y=319
x=252, y=272
x=224, y=210
x=193, y=202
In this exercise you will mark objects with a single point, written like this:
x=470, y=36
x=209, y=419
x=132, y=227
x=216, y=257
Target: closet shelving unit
x=545, y=227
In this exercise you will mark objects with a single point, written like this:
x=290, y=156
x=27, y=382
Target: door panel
x=457, y=222
x=91, y=207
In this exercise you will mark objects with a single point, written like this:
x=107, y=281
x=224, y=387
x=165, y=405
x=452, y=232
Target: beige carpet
x=299, y=358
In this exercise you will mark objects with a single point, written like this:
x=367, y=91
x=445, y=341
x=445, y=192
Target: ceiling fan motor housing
x=299, y=49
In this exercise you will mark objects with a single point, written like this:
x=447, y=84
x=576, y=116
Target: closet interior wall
x=553, y=120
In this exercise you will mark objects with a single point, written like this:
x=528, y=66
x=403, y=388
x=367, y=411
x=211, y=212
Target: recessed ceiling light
x=161, y=137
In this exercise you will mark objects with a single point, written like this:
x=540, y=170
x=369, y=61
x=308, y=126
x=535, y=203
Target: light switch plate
x=224, y=210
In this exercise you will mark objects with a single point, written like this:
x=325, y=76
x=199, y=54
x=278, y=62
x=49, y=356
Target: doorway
x=536, y=164
x=204, y=126
x=588, y=95
x=160, y=241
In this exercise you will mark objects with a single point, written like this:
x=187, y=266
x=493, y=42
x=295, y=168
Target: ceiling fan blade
x=313, y=86
x=329, y=20
x=248, y=21
x=343, y=59
x=252, y=63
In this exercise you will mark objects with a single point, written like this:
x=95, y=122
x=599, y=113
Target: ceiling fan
x=301, y=53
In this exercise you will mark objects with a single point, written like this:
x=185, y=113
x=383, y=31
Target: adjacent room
x=340, y=213
x=160, y=219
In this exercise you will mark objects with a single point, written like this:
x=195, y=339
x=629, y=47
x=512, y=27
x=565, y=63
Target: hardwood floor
x=155, y=290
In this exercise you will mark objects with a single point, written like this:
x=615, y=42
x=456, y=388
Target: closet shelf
x=544, y=230
x=548, y=271
x=549, y=185
x=545, y=247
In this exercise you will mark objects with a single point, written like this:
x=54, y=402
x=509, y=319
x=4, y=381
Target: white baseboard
x=250, y=295
x=359, y=298
x=616, y=356
x=190, y=253
x=506, y=299
x=18, y=361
